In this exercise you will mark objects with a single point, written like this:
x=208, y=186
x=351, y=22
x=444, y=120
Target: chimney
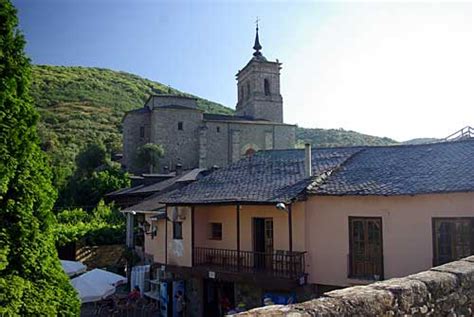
x=308, y=172
x=179, y=169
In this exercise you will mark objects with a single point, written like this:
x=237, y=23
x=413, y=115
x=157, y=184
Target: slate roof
x=278, y=175
x=267, y=177
x=140, y=110
x=164, y=185
x=405, y=170
x=224, y=117
x=179, y=107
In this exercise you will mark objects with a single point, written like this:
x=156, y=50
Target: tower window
x=180, y=125
x=248, y=90
x=241, y=93
x=218, y=129
x=250, y=152
x=142, y=132
x=266, y=86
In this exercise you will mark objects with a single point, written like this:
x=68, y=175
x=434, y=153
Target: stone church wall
x=167, y=100
x=217, y=147
x=252, y=98
x=446, y=290
x=284, y=137
x=227, y=142
x=181, y=146
x=132, y=139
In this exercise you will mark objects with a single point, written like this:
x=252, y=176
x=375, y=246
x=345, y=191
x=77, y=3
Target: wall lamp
x=150, y=229
x=281, y=206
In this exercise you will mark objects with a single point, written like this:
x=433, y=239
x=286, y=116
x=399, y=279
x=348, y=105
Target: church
x=194, y=139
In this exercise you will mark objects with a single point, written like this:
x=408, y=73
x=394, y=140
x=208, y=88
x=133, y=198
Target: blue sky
x=401, y=70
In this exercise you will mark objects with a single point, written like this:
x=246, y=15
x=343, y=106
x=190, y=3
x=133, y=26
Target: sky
x=397, y=69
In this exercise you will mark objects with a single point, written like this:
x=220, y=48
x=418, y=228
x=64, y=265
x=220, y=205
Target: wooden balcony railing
x=278, y=263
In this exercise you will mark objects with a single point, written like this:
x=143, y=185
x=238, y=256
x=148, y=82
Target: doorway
x=262, y=242
x=218, y=298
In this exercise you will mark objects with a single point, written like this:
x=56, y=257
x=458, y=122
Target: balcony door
x=453, y=239
x=365, y=248
x=262, y=242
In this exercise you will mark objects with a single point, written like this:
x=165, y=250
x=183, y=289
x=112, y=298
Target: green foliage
x=93, y=156
x=148, y=155
x=32, y=282
x=338, y=137
x=79, y=104
x=104, y=225
x=94, y=176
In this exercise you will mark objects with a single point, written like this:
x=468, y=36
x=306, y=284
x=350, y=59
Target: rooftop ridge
x=314, y=148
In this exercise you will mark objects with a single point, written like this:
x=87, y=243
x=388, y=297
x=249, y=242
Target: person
x=179, y=303
x=134, y=294
x=225, y=304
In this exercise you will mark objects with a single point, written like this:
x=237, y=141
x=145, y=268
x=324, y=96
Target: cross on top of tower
x=257, y=47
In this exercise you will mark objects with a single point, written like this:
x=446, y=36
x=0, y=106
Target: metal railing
x=464, y=133
x=278, y=263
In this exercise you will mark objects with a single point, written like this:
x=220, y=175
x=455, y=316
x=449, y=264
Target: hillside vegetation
x=338, y=137
x=81, y=105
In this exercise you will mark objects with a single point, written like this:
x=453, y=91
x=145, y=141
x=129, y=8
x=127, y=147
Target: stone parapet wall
x=446, y=290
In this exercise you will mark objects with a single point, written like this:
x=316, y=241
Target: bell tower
x=258, y=87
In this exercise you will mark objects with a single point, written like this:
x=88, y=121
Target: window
x=266, y=86
x=218, y=129
x=215, y=231
x=177, y=230
x=241, y=93
x=180, y=125
x=250, y=152
x=453, y=238
x=142, y=132
x=248, y=91
x=365, y=248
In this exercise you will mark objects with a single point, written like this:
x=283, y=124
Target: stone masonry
x=194, y=139
x=446, y=290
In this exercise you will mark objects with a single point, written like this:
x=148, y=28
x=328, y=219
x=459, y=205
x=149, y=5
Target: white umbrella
x=90, y=291
x=101, y=276
x=73, y=267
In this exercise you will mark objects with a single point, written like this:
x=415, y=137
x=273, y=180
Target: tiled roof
x=149, y=204
x=165, y=185
x=278, y=175
x=405, y=170
x=179, y=107
x=267, y=177
x=139, y=110
x=223, y=117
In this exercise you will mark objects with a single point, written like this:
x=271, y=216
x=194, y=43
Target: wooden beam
x=238, y=235
x=290, y=229
x=166, y=235
x=192, y=236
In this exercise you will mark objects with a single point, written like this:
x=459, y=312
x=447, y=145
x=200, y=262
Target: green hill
x=338, y=137
x=79, y=105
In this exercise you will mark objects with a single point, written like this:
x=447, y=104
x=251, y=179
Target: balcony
x=279, y=264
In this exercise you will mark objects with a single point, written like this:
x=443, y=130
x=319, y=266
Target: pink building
x=291, y=224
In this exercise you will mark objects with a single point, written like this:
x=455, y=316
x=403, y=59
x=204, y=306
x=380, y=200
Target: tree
x=95, y=176
x=32, y=281
x=91, y=157
x=148, y=155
